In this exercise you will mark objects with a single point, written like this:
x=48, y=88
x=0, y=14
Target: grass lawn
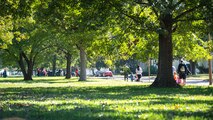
x=55, y=98
x=199, y=76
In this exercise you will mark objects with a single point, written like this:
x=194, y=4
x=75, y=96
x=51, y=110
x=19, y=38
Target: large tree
x=20, y=38
x=26, y=46
x=77, y=19
x=163, y=17
x=68, y=50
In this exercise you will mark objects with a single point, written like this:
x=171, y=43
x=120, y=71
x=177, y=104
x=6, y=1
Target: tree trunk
x=193, y=67
x=54, y=65
x=210, y=63
x=26, y=73
x=210, y=71
x=68, y=69
x=21, y=65
x=165, y=75
x=82, y=64
x=29, y=70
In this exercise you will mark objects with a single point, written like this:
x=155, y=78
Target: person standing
x=76, y=72
x=183, y=71
x=5, y=73
x=126, y=70
x=138, y=73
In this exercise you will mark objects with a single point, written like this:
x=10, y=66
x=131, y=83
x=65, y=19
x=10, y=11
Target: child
x=177, y=79
x=132, y=77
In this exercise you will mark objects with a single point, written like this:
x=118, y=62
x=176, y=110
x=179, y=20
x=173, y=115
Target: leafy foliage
x=6, y=35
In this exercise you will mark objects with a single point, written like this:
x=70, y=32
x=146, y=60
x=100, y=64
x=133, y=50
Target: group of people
x=41, y=72
x=181, y=73
x=138, y=72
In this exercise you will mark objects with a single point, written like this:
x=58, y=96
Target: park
x=70, y=59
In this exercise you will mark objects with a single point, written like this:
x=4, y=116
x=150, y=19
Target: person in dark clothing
x=138, y=73
x=126, y=70
x=183, y=71
x=5, y=73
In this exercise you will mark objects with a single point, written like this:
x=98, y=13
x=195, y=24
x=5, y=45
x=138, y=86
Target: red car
x=108, y=73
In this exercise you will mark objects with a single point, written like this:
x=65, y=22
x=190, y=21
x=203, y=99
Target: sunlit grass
x=199, y=77
x=57, y=98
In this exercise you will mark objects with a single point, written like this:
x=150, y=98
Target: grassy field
x=55, y=98
x=199, y=76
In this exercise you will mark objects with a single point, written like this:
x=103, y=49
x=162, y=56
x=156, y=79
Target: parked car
x=99, y=73
x=108, y=73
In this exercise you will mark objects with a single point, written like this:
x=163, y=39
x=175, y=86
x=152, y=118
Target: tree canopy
x=113, y=29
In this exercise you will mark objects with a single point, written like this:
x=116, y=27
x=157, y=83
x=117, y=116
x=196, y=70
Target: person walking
x=138, y=73
x=126, y=70
x=183, y=71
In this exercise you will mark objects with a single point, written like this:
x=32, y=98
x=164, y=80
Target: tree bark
x=193, y=67
x=54, y=65
x=210, y=63
x=165, y=75
x=29, y=70
x=21, y=65
x=68, y=69
x=82, y=64
x=26, y=73
x=210, y=71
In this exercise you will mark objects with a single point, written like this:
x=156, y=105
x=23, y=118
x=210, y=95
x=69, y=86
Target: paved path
x=146, y=79
x=189, y=81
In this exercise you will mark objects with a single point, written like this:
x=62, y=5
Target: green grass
x=59, y=99
x=199, y=76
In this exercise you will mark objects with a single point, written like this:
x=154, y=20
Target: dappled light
x=54, y=99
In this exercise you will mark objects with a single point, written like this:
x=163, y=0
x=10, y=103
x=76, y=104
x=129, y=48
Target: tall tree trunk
x=21, y=65
x=210, y=62
x=210, y=71
x=165, y=75
x=26, y=73
x=54, y=65
x=82, y=64
x=29, y=70
x=68, y=69
x=193, y=67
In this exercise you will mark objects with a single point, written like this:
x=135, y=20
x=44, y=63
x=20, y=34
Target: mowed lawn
x=55, y=98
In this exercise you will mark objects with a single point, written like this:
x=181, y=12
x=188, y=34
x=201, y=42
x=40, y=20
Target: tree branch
x=153, y=8
x=185, y=20
x=186, y=12
x=174, y=28
x=25, y=56
x=178, y=3
x=140, y=2
x=123, y=12
x=36, y=53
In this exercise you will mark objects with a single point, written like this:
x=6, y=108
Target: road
x=146, y=79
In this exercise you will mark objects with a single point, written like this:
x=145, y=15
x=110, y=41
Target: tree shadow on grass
x=115, y=92
x=43, y=80
x=154, y=96
x=78, y=112
x=81, y=111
